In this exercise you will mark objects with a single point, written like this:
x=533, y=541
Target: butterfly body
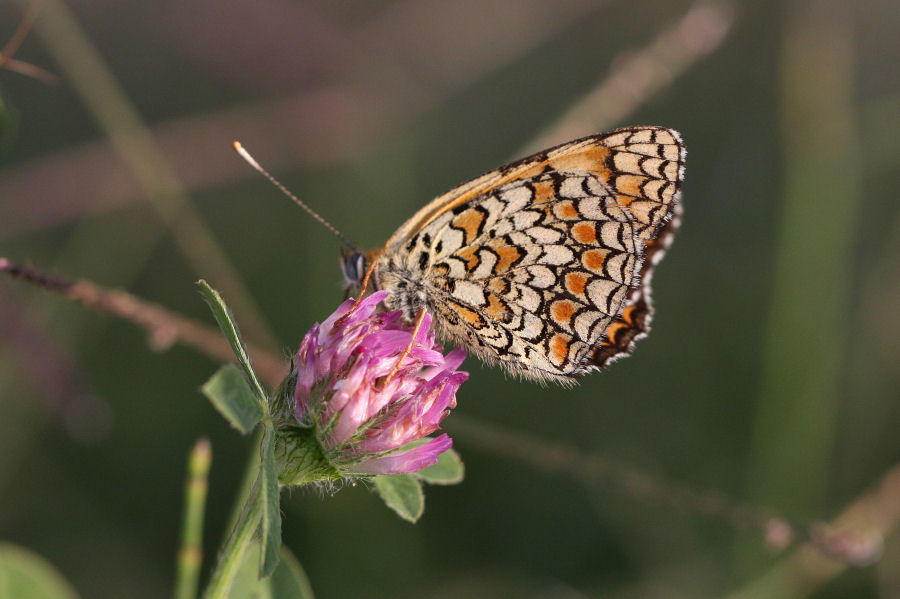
x=541, y=266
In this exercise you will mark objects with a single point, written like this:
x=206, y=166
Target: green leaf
x=229, y=392
x=26, y=575
x=449, y=470
x=270, y=521
x=229, y=328
x=289, y=581
x=247, y=584
x=403, y=494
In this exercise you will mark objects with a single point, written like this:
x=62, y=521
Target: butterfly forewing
x=537, y=265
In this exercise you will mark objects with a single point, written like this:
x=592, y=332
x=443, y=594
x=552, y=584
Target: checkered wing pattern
x=543, y=266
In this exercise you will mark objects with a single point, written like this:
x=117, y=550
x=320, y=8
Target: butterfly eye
x=353, y=267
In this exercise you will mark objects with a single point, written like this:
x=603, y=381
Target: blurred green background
x=771, y=373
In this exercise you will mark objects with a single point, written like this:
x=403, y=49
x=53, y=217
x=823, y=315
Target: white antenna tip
x=246, y=156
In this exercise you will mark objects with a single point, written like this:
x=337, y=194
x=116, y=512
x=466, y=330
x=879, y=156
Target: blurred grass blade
x=229, y=328
x=26, y=575
x=228, y=391
x=807, y=328
x=190, y=556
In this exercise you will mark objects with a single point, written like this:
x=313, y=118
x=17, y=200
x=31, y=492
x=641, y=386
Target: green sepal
x=282, y=403
x=403, y=494
x=299, y=458
x=230, y=394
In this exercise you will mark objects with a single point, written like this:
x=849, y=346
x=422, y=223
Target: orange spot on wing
x=498, y=285
x=470, y=316
x=630, y=184
x=628, y=315
x=612, y=330
x=559, y=348
x=506, y=256
x=593, y=260
x=575, y=283
x=470, y=255
x=566, y=210
x=624, y=329
x=470, y=222
x=544, y=192
x=585, y=232
x=496, y=309
x=562, y=311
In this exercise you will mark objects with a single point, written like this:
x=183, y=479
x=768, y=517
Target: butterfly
x=541, y=266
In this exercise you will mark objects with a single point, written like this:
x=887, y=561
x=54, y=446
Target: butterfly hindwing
x=633, y=323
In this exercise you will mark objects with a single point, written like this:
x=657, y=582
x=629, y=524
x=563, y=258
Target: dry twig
x=164, y=327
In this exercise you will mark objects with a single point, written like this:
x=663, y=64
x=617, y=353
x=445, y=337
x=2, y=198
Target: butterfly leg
x=364, y=285
x=418, y=324
x=362, y=292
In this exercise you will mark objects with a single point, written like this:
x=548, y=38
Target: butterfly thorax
x=406, y=289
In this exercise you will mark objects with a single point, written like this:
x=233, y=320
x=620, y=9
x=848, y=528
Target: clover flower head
x=370, y=412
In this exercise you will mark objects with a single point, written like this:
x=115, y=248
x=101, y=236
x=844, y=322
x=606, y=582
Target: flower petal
x=407, y=461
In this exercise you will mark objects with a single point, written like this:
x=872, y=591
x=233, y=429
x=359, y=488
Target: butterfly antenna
x=252, y=162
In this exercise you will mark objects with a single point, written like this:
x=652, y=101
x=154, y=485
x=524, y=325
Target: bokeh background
x=770, y=376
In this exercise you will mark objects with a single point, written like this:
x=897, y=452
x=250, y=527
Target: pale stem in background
x=190, y=555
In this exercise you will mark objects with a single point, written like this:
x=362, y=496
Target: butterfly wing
x=633, y=322
x=536, y=265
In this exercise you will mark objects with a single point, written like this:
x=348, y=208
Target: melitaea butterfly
x=543, y=265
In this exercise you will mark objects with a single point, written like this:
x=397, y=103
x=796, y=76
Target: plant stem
x=190, y=556
x=232, y=554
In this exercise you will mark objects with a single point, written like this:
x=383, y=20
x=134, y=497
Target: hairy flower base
x=358, y=410
x=299, y=458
